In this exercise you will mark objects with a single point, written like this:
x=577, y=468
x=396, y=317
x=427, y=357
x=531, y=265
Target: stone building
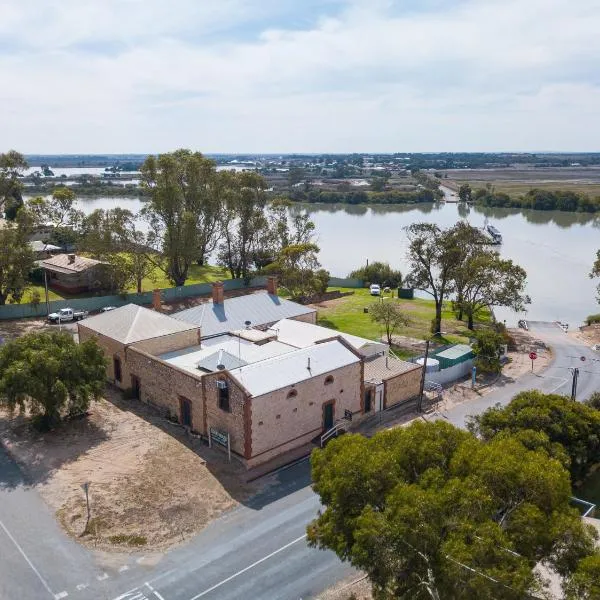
x=74, y=274
x=267, y=391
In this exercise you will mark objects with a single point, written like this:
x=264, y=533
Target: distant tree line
x=537, y=199
x=362, y=197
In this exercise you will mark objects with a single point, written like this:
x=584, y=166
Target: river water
x=556, y=249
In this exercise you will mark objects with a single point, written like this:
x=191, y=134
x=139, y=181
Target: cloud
x=283, y=76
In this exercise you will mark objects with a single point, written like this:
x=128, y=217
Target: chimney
x=217, y=292
x=156, y=304
x=71, y=258
x=272, y=285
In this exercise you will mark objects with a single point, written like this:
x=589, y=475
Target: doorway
x=136, y=388
x=117, y=368
x=185, y=412
x=368, y=400
x=328, y=415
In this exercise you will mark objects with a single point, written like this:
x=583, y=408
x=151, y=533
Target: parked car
x=375, y=289
x=64, y=315
x=108, y=308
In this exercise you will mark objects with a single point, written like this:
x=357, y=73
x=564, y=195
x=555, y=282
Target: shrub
x=378, y=272
x=593, y=319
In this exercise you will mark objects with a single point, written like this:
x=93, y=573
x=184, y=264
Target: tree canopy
x=595, y=272
x=390, y=316
x=12, y=164
x=378, y=272
x=566, y=429
x=16, y=259
x=50, y=376
x=430, y=511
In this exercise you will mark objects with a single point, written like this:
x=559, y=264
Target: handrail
x=339, y=426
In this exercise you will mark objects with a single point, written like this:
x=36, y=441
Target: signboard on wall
x=221, y=438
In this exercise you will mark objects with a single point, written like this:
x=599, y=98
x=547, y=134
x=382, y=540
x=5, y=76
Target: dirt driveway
x=148, y=488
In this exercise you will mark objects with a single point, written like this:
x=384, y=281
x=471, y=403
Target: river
x=556, y=249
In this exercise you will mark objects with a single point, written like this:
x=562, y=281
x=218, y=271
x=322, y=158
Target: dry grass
x=147, y=487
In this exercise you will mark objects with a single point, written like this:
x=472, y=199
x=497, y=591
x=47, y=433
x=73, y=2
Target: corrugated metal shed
x=132, y=323
x=454, y=355
x=288, y=369
x=260, y=309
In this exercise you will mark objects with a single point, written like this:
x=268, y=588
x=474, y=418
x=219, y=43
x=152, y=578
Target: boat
x=494, y=233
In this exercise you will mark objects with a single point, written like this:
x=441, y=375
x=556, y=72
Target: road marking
x=140, y=559
x=12, y=539
x=60, y=595
x=133, y=595
x=102, y=577
x=154, y=591
x=123, y=568
x=127, y=594
x=81, y=586
x=558, y=386
x=254, y=564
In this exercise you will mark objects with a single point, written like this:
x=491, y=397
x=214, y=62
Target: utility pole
x=420, y=405
x=46, y=287
x=574, y=386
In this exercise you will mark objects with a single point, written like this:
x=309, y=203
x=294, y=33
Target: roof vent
x=71, y=258
x=220, y=364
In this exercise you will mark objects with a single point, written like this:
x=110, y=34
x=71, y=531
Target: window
x=117, y=368
x=292, y=393
x=223, y=390
x=329, y=380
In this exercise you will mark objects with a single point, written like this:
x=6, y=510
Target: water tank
x=433, y=365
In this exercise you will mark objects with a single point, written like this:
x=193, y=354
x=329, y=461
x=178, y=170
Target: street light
x=420, y=405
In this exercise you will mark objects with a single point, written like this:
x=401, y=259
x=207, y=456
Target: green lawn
x=347, y=315
x=197, y=274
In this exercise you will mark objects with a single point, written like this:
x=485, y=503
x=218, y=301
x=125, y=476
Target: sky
x=284, y=76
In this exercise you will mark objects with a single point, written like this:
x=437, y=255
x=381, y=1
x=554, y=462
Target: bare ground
x=148, y=488
x=356, y=587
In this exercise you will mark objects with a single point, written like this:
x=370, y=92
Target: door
x=328, y=409
x=185, y=409
x=117, y=368
x=368, y=400
x=136, y=390
x=379, y=398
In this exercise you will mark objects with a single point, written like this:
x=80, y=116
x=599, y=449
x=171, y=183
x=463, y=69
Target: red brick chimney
x=218, y=293
x=156, y=303
x=272, y=285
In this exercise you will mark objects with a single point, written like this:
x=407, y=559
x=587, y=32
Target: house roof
x=380, y=368
x=232, y=313
x=61, y=264
x=287, y=369
x=132, y=323
x=235, y=353
x=454, y=352
x=302, y=335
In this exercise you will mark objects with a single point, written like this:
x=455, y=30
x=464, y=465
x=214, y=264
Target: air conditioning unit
x=221, y=384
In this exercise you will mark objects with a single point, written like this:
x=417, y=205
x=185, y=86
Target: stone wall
x=111, y=349
x=402, y=387
x=169, y=343
x=236, y=421
x=291, y=417
x=163, y=385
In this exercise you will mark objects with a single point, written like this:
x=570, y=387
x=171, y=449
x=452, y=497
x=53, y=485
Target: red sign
x=532, y=355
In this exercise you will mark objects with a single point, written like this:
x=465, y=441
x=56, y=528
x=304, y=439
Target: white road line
x=123, y=568
x=127, y=594
x=102, y=577
x=140, y=559
x=558, y=386
x=132, y=595
x=254, y=564
x=60, y=595
x=12, y=539
x=154, y=591
x=81, y=586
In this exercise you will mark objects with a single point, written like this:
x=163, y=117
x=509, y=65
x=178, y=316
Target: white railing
x=341, y=425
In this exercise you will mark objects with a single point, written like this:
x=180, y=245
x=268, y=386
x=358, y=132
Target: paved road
x=257, y=551
x=557, y=378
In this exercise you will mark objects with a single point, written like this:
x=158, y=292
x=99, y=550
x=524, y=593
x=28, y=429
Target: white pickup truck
x=64, y=315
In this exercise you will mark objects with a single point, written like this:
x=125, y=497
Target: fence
x=451, y=374
x=94, y=303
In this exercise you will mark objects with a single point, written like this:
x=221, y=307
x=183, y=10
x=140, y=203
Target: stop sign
x=532, y=355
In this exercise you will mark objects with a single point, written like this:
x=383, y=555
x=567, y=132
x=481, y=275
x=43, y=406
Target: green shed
x=454, y=355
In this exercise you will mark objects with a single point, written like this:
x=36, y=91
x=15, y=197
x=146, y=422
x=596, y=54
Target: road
x=257, y=551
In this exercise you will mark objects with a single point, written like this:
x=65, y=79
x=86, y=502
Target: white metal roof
x=132, y=323
x=232, y=313
x=238, y=348
x=293, y=367
x=302, y=335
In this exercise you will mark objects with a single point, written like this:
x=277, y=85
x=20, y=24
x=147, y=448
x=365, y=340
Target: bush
x=593, y=319
x=378, y=272
x=129, y=540
x=487, y=351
